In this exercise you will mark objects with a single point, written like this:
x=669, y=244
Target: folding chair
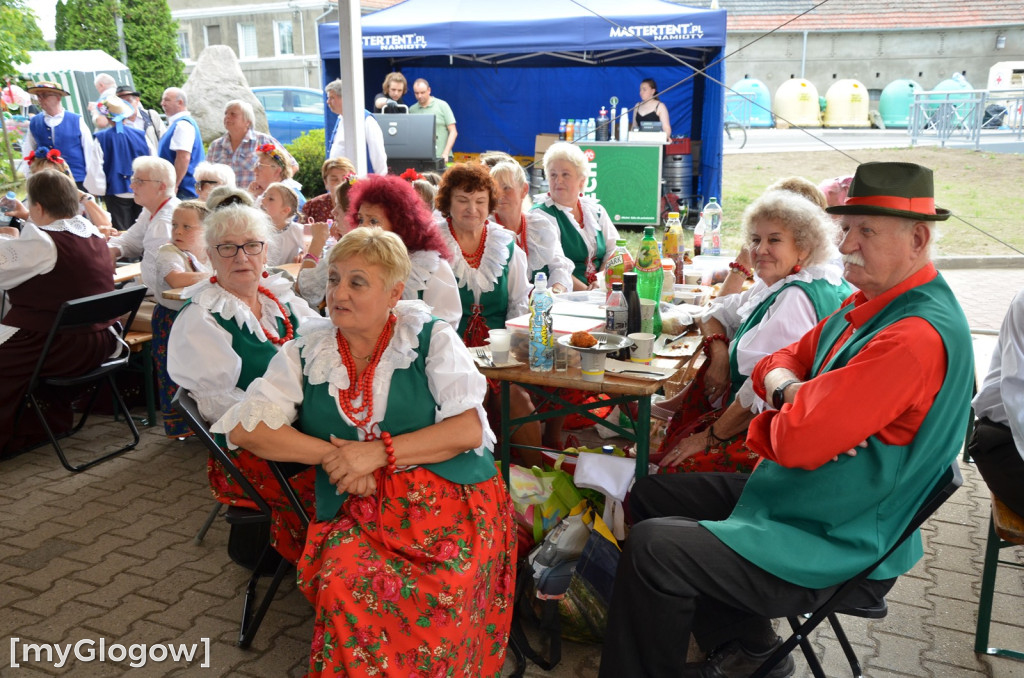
x=97, y=309
x=943, y=490
x=251, y=619
x=1005, y=530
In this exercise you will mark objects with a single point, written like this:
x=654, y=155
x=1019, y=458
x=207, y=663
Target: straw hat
x=47, y=86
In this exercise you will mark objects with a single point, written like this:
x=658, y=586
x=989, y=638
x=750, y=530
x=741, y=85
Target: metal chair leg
x=201, y=535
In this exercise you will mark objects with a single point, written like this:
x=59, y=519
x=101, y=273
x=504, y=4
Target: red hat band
x=895, y=202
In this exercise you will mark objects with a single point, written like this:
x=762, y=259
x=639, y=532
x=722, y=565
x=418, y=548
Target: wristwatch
x=779, y=394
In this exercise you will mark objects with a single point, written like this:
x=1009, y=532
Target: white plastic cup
x=643, y=347
x=592, y=365
x=500, y=341
x=647, y=315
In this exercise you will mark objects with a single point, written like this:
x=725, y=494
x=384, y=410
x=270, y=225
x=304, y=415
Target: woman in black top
x=650, y=108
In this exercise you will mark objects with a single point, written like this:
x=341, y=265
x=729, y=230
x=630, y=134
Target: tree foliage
x=151, y=38
x=87, y=24
x=19, y=33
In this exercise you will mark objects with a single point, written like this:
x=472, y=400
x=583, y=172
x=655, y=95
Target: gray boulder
x=217, y=79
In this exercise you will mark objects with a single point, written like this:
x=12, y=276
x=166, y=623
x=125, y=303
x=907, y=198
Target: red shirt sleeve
x=885, y=390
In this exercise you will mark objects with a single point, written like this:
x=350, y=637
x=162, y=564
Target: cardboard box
x=541, y=144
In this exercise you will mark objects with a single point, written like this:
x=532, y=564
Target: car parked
x=291, y=110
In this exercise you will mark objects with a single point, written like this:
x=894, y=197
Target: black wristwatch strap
x=779, y=394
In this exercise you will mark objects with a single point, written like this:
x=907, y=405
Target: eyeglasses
x=203, y=183
x=138, y=180
x=263, y=164
x=228, y=250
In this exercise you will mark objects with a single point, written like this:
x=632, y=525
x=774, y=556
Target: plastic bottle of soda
x=561, y=129
x=672, y=245
x=649, y=274
x=616, y=311
x=569, y=130
x=620, y=262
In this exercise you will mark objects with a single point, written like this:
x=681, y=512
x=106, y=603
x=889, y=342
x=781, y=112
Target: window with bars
x=247, y=41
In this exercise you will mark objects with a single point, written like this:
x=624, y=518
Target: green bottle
x=649, y=277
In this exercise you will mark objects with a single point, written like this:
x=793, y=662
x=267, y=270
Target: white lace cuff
x=250, y=413
x=213, y=405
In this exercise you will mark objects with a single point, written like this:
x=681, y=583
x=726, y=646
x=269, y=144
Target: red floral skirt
x=416, y=581
x=696, y=414
x=287, y=534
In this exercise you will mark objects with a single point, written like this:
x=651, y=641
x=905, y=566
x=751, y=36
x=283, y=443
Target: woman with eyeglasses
x=274, y=166
x=153, y=185
x=210, y=175
x=224, y=338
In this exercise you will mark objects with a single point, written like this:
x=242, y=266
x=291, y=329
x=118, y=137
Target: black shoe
x=732, y=660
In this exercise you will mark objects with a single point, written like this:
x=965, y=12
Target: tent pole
x=350, y=49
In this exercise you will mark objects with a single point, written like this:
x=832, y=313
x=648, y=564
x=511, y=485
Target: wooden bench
x=1005, y=530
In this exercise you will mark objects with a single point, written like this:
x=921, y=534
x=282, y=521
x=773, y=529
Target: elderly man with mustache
x=870, y=408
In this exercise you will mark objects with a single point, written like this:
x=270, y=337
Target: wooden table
x=126, y=272
x=622, y=389
x=290, y=269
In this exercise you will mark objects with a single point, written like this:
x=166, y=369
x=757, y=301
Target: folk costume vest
x=121, y=145
x=574, y=245
x=410, y=407
x=824, y=296
x=65, y=137
x=188, y=182
x=818, y=528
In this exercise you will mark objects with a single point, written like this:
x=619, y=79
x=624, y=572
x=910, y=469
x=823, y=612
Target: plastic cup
x=647, y=315
x=592, y=365
x=561, y=357
x=500, y=341
x=643, y=347
x=693, y=278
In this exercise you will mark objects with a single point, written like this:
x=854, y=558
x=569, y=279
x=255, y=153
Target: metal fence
x=965, y=115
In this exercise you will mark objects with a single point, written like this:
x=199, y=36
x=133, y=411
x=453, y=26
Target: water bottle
x=591, y=130
x=712, y=218
x=7, y=204
x=561, y=129
x=542, y=337
x=624, y=125
x=602, y=124
x=632, y=308
x=616, y=311
x=672, y=245
x=649, y=276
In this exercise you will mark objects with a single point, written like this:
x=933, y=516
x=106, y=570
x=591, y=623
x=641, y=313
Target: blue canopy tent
x=511, y=70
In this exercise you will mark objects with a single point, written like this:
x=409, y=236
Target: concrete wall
x=926, y=56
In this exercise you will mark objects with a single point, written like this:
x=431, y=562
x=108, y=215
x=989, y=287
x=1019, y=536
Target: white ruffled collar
x=76, y=225
x=219, y=301
x=492, y=264
x=318, y=345
x=830, y=271
x=424, y=266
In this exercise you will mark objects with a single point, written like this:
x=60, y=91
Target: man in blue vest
x=864, y=414
x=121, y=144
x=68, y=133
x=182, y=144
x=376, y=156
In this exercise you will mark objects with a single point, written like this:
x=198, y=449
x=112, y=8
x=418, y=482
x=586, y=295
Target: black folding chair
x=251, y=618
x=943, y=490
x=77, y=313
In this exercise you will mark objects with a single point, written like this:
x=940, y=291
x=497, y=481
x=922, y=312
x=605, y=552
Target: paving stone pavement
x=109, y=554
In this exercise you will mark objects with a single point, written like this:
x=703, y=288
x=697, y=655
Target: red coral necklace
x=472, y=259
x=289, y=330
x=361, y=388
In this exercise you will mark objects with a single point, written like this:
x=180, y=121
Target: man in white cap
x=68, y=133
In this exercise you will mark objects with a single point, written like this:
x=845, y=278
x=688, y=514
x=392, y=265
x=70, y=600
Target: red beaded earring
x=213, y=279
x=797, y=268
x=265, y=274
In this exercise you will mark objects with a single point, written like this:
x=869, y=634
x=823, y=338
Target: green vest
x=411, y=407
x=573, y=244
x=818, y=528
x=255, y=354
x=495, y=302
x=824, y=296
